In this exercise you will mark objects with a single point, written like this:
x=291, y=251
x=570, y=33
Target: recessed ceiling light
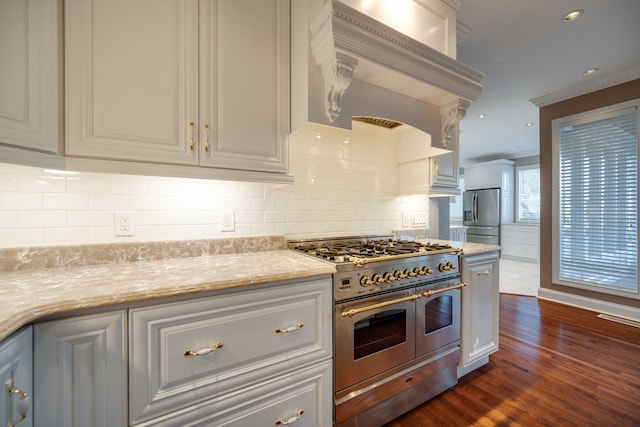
x=482, y=116
x=529, y=125
x=590, y=71
x=572, y=16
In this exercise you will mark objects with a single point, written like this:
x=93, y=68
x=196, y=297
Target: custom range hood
x=346, y=63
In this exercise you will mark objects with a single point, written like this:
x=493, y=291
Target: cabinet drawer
x=249, y=327
x=305, y=395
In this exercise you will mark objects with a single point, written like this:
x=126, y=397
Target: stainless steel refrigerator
x=481, y=213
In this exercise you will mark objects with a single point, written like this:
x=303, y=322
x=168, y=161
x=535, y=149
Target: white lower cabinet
x=16, y=379
x=234, y=358
x=480, y=310
x=80, y=376
x=520, y=242
x=458, y=234
x=257, y=355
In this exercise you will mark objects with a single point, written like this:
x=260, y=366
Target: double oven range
x=396, y=323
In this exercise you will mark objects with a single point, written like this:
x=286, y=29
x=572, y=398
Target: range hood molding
x=347, y=44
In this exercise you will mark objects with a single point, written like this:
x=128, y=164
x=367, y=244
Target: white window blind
x=529, y=193
x=598, y=200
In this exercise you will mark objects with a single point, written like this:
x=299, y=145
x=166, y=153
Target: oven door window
x=438, y=314
x=379, y=332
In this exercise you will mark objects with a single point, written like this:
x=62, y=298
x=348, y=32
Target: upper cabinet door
x=30, y=51
x=244, y=84
x=131, y=79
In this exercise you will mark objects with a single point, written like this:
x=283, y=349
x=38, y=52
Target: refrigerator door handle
x=475, y=208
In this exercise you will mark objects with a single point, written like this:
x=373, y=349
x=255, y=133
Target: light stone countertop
x=30, y=295
x=468, y=248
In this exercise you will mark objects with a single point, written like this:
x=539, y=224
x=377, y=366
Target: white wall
x=339, y=188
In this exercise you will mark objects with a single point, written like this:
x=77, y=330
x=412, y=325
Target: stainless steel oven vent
x=385, y=123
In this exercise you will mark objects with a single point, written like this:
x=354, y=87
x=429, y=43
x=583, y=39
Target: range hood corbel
x=451, y=115
x=348, y=45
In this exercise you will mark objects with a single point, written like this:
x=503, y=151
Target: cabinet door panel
x=445, y=170
x=16, y=369
x=80, y=371
x=480, y=300
x=245, y=84
x=131, y=88
x=29, y=87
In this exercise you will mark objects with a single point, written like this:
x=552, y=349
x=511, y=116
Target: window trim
x=555, y=193
x=517, y=178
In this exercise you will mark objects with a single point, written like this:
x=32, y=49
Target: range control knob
x=365, y=281
x=388, y=277
x=399, y=274
x=377, y=278
x=409, y=273
x=447, y=266
x=428, y=270
x=419, y=271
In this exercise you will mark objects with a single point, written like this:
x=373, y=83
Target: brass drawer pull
x=293, y=328
x=22, y=405
x=192, y=126
x=206, y=138
x=204, y=351
x=296, y=417
x=483, y=273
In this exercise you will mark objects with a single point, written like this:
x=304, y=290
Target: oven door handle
x=431, y=292
x=354, y=311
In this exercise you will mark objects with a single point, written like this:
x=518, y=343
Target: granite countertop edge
x=35, y=294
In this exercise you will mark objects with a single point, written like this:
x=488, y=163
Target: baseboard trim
x=591, y=304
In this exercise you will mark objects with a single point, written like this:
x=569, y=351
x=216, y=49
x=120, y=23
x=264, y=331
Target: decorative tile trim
x=14, y=259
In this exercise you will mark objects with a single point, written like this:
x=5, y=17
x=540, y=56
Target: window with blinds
x=528, y=193
x=596, y=205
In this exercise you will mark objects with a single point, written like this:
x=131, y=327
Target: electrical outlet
x=227, y=221
x=124, y=224
x=406, y=219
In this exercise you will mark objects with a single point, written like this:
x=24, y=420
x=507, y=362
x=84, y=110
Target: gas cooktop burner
x=359, y=250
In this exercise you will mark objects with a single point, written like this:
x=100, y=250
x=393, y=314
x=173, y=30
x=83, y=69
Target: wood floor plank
x=557, y=366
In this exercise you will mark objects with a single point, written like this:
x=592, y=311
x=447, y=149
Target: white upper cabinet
x=493, y=174
x=179, y=82
x=30, y=49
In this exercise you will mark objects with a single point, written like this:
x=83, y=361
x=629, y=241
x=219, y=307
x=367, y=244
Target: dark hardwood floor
x=557, y=366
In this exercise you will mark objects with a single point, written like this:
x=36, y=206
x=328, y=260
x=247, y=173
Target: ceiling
x=526, y=51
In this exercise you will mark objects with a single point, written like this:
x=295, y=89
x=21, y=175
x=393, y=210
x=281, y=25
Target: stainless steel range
x=396, y=323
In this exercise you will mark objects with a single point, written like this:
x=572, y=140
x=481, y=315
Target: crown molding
x=583, y=89
x=462, y=31
x=456, y=4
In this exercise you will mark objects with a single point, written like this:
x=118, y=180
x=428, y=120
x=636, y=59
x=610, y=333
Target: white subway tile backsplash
x=42, y=219
x=20, y=237
x=113, y=202
x=20, y=201
x=339, y=189
x=42, y=184
x=90, y=219
x=65, y=201
x=8, y=219
x=8, y=182
x=65, y=236
x=88, y=184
